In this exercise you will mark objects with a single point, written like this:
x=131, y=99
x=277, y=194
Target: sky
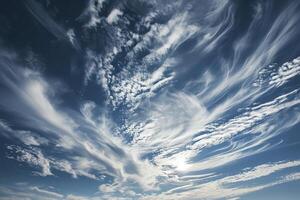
x=147, y=100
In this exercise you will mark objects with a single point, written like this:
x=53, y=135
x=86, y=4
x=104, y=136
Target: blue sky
x=106, y=99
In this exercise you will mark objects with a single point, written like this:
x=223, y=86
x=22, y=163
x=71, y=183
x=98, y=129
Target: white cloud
x=92, y=11
x=71, y=35
x=46, y=192
x=41, y=15
x=106, y=188
x=30, y=139
x=75, y=197
x=33, y=157
x=231, y=186
x=114, y=16
x=163, y=128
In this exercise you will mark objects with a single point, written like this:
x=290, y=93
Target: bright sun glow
x=181, y=163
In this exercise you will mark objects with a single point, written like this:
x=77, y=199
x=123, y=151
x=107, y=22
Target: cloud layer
x=186, y=92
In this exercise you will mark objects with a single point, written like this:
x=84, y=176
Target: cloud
x=33, y=157
x=91, y=12
x=74, y=197
x=105, y=188
x=95, y=150
x=287, y=71
x=27, y=137
x=137, y=81
x=32, y=192
x=46, y=192
x=114, y=16
x=260, y=171
x=162, y=132
x=40, y=14
x=30, y=139
x=232, y=186
x=71, y=35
